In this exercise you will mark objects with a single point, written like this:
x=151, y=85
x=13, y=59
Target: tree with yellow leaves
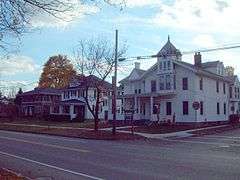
x=57, y=72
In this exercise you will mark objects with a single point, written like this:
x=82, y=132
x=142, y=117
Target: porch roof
x=73, y=101
x=149, y=94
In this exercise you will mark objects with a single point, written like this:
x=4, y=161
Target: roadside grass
x=215, y=130
x=9, y=175
x=41, y=122
x=164, y=128
x=70, y=129
x=76, y=133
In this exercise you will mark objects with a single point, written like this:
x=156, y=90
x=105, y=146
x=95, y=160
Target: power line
x=183, y=53
x=213, y=49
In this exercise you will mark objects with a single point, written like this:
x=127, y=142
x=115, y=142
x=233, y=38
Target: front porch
x=150, y=107
x=73, y=108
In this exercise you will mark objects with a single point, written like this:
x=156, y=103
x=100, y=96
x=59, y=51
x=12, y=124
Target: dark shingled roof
x=169, y=49
x=210, y=64
x=90, y=81
x=74, y=101
x=202, y=71
x=42, y=91
x=139, y=72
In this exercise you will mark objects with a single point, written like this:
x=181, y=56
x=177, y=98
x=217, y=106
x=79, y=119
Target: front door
x=106, y=115
x=80, y=112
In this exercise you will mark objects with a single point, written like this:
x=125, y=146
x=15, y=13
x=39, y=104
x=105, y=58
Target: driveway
x=208, y=157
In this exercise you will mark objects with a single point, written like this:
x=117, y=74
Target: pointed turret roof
x=169, y=49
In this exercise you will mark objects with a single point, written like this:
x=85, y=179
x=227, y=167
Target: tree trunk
x=96, y=123
x=96, y=119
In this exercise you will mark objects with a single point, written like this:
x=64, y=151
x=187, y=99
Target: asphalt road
x=208, y=157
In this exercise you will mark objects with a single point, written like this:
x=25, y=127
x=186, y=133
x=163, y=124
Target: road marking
x=44, y=136
x=228, y=137
x=225, y=146
x=51, y=166
x=213, y=138
x=202, y=142
x=43, y=144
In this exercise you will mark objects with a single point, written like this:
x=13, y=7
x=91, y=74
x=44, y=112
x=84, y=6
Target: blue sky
x=143, y=25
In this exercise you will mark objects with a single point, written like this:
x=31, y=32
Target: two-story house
x=73, y=100
x=234, y=95
x=38, y=102
x=168, y=89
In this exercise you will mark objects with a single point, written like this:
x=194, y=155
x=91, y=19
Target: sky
x=143, y=25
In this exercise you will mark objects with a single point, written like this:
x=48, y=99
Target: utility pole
x=114, y=101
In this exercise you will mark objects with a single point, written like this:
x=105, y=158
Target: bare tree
x=16, y=15
x=229, y=70
x=95, y=59
x=12, y=91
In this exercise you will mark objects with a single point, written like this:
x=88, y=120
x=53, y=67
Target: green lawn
x=35, y=121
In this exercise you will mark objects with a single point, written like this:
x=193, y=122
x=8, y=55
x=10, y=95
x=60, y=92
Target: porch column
x=123, y=105
x=71, y=111
x=151, y=106
x=51, y=109
x=135, y=104
x=139, y=106
x=60, y=109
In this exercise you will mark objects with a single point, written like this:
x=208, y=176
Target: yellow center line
x=48, y=145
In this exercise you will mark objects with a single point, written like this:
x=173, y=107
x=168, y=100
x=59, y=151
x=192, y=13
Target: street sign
x=129, y=117
x=196, y=105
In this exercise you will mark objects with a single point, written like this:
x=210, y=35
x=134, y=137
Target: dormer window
x=153, y=86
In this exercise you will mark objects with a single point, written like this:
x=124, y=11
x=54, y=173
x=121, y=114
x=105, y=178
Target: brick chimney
x=198, y=59
x=137, y=65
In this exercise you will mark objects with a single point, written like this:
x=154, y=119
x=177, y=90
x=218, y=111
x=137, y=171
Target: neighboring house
x=73, y=98
x=7, y=107
x=38, y=102
x=119, y=104
x=234, y=95
x=167, y=90
x=67, y=103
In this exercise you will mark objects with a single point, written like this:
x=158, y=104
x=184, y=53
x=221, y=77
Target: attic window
x=153, y=86
x=160, y=65
x=164, y=65
x=169, y=65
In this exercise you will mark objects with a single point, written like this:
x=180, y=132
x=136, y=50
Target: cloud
x=17, y=64
x=203, y=16
x=140, y=3
x=43, y=19
x=204, y=40
x=11, y=87
x=135, y=3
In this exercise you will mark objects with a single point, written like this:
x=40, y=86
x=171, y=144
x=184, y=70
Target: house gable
x=134, y=75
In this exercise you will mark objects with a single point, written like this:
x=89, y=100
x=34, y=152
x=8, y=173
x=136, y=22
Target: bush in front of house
x=57, y=117
x=234, y=118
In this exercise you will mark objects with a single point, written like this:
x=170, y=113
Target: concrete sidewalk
x=118, y=128
x=179, y=134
